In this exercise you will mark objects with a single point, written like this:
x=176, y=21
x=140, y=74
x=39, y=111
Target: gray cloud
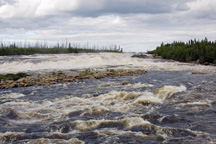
x=4, y=2
x=140, y=24
x=201, y=9
x=125, y=7
x=92, y=8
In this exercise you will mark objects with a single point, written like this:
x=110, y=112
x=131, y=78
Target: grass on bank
x=13, y=77
x=87, y=72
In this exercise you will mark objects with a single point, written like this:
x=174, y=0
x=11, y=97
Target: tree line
x=16, y=49
x=201, y=51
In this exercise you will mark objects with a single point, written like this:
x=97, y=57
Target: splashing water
x=80, y=61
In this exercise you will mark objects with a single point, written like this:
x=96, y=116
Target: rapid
x=172, y=103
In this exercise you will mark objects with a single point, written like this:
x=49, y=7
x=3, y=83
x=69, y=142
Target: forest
x=199, y=51
x=19, y=49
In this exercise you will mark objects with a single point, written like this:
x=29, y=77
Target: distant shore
x=201, y=52
x=7, y=51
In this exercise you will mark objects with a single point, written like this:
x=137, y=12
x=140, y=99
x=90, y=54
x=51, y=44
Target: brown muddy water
x=169, y=104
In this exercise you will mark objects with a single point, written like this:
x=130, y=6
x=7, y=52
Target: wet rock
x=124, y=83
x=2, y=85
x=53, y=82
x=197, y=73
x=11, y=114
x=38, y=83
x=96, y=94
x=100, y=76
x=75, y=113
x=153, y=118
x=66, y=128
x=22, y=80
x=160, y=137
x=69, y=80
x=206, y=63
x=76, y=80
x=47, y=84
x=87, y=77
x=139, y=56
x=13, y=85
x=59, y=80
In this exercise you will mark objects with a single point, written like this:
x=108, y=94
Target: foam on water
x=21, y=111
x=135, y=121
x=116, y=132
x=128, y=123
x=81, y=61
x=16, y=135
x=139, y=85
x=167, y=91
x=12, y=95
x=10, y=135
x=145, y=100
x=54, y=141
x=198, y=103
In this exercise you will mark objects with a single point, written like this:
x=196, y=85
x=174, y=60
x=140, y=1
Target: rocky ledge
x=59, y=77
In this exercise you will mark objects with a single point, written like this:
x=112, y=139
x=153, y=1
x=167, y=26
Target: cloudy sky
x=136, y=25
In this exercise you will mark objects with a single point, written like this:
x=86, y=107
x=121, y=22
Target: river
x=172, y=103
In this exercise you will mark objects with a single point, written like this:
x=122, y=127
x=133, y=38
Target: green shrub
x=111, y=71
x=86, y=72
x=53, y=73
x=14, y=77
x=193, y=50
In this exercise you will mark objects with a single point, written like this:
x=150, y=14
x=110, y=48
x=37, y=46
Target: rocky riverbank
x=59, y=77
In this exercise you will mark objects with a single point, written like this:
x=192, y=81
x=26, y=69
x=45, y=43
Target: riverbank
x=202, y=52
x=60, y=77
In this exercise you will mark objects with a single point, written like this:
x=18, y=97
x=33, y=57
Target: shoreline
x=60, y=77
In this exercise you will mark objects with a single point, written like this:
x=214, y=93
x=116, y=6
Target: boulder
x=124, y=82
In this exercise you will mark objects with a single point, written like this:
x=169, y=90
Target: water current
x=173, y=103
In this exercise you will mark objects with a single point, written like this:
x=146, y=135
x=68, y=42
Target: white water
x=95, y=60
x=112, y=102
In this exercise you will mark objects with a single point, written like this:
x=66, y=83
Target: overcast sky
x=136, y=25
